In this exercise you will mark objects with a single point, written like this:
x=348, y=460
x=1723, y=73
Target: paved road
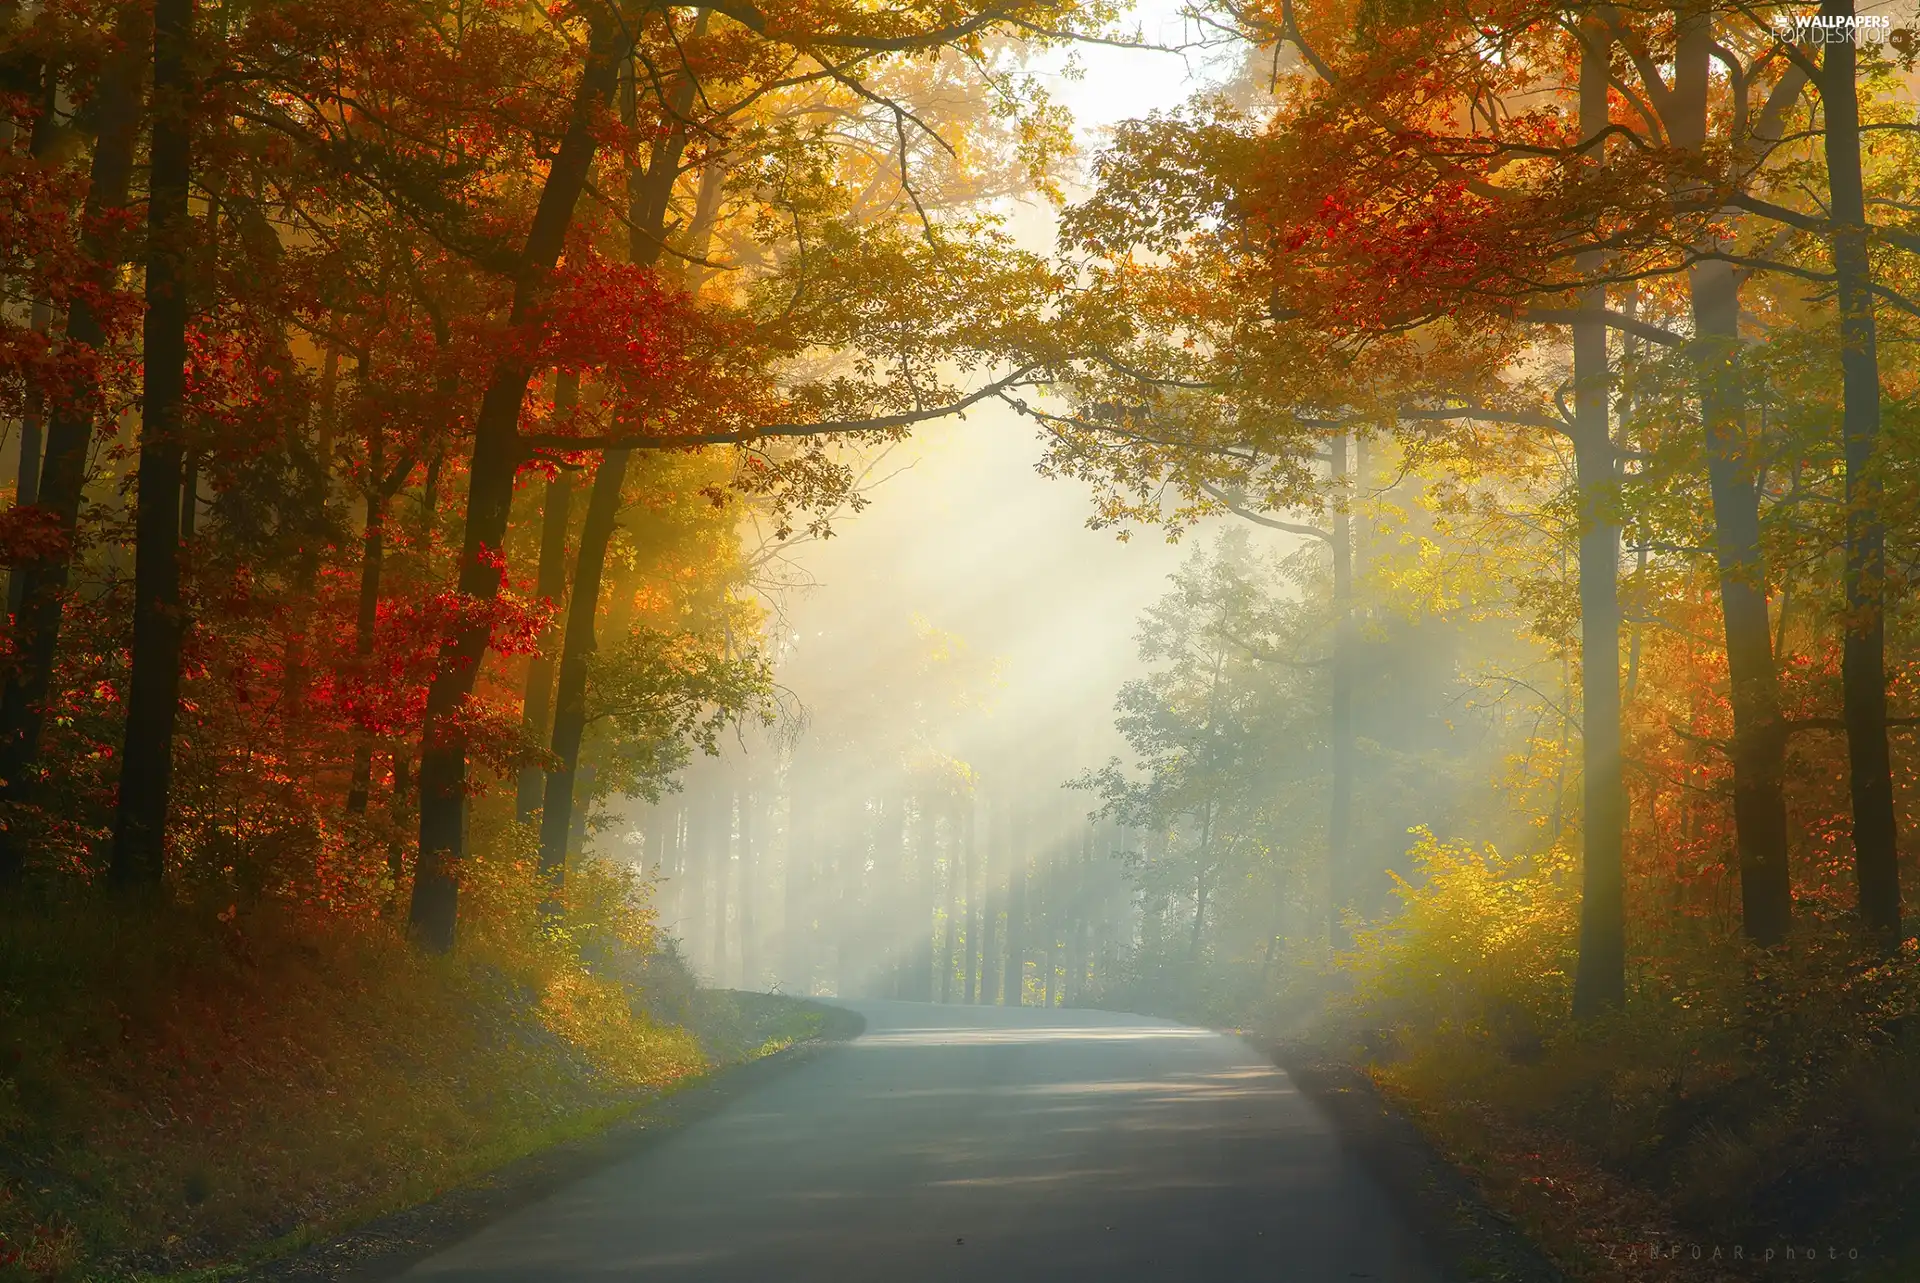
x=979, y=1144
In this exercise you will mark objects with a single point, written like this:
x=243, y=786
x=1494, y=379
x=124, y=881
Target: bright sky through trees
x=966, y=536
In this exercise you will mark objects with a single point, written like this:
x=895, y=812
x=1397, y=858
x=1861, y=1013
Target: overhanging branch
x=743, y=436
x=1615, y=320
x=1260, y=518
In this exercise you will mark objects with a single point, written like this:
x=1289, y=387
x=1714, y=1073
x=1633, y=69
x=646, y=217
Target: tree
x=43, y=579
x=153, y=699
x=1201, y=729
x=1863, y=666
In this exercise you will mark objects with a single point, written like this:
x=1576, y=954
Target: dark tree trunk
x=39, y=319
x=551, y=584
x=32, y=427
x=159, y=626
x=570, y=700
x=496, y=458
x=1759, y=736
x=42, y=582
x=558, y=819
x=1600, y=973
x=1864, y=656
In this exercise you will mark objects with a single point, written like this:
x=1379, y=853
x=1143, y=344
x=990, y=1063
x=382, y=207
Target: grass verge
x=182, y=1090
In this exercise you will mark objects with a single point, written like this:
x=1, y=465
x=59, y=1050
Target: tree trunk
x=1759, y=735
x=659, y=844
x=159, y=627
x=1199, y=916
x=921, y=870
x=189, y=496
x=720, y=849
x=748, y=961
x=1340, y=820
x=990, y=972
x=797, y=921
x=1048, y=918
x=570, y=700
x=952, y=941
x=1600, y=973
x=1864, y=655
x=42, y=582
x=26, y=490
x=496, y=458
x=397, y=814
x=306, y=574
x=695, y=861
x=372, y=556
x=969, y=858
x=674, y=853
x=557, y=819
x=1759, y=738
x=1015, y=978
x=551, y=584
x=1077, y=953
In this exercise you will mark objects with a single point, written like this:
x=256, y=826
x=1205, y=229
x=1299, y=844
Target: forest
x=427, y=731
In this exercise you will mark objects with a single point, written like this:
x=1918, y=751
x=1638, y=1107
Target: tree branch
x=1615, y=320
x=741, y=436
x=1261, y=519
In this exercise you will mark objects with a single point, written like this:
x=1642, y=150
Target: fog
x=949, y=659
x=949, y=662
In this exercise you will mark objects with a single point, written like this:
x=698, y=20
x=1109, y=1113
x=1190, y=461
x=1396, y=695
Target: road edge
x=1471, y=1240
x=389, y=1245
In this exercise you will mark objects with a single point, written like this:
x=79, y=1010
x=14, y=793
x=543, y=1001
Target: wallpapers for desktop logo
x=1857, y=29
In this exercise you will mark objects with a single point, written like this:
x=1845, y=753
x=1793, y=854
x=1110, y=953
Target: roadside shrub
x=1481, y=948
x=1740, y=1095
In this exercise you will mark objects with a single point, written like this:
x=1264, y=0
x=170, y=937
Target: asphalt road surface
x=977, y=1143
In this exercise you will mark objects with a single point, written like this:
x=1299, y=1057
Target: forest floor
x=1616, y=1170
x=192, y=1098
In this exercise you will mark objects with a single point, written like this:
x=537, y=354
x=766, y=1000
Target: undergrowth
x=181, y=1086
x=1744, y=1110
